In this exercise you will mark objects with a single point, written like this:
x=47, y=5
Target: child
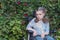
x=40, y=25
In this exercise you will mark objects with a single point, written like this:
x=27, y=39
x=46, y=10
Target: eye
x=40, y=14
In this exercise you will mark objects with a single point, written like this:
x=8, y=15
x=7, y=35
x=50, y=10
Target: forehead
x=39, y=12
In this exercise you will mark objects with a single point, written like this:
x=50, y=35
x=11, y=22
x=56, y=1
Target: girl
x=40, y=25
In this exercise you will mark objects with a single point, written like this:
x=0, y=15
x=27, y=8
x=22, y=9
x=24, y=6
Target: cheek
x=41, y=16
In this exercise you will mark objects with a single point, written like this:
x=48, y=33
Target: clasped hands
x=35, y=33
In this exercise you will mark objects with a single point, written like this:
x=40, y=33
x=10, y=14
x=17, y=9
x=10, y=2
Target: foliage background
x=14, y=16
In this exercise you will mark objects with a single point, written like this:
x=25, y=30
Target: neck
x=36, y=20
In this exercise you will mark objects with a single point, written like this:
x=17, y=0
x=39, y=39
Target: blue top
x=39, y=27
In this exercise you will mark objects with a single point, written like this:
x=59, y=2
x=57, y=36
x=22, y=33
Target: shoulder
x=47, y=23
x=33, y=20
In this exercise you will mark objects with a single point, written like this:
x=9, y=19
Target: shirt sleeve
x=30, y=24
x=47, y=27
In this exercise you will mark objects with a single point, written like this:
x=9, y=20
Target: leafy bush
x=14, y=16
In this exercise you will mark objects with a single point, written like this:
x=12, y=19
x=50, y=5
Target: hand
x=35, y=33
x=43, y=35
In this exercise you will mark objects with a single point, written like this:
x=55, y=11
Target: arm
x=30, y=25
x=47, y=29
x=46, y=32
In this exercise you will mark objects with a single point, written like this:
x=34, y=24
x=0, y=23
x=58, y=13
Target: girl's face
x=40, y=14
